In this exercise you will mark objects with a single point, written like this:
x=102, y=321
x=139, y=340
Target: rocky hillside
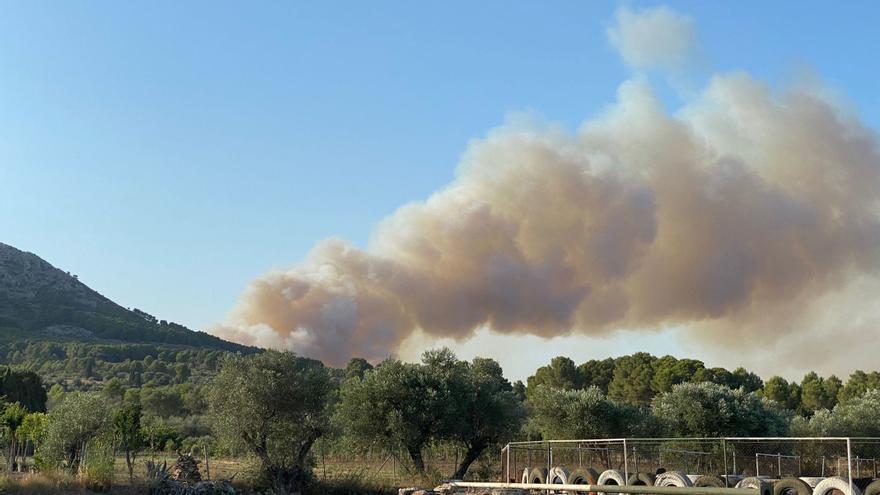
x=41, y=302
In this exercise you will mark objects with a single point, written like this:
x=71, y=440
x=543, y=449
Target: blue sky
x=168, y=153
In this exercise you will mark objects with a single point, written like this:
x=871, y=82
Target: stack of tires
x=833, y=485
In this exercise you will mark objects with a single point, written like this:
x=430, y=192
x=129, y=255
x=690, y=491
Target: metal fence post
x=849, y=463
x=549, y=457
x=625, y=465
x=724, y=453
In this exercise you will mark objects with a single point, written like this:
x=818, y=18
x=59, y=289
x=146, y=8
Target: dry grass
x=377, y=475
x=56, y=483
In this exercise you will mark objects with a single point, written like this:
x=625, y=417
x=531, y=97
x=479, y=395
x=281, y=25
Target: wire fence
x=730, y=459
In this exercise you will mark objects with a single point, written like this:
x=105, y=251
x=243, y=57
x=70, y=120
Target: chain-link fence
x=728, y=460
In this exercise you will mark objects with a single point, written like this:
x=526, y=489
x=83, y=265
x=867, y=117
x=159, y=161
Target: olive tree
x=857, y=417
x=395, y=406
x=276, y=405
x=403, y=406
x=707, y=410
x=77, y=420
x=586, y=413
x=488, y=412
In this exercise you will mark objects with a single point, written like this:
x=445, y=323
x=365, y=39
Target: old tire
x=828, y=485
x=791, y=486
x=525, y=475
x=754, y=483
x=641, y=479
x=538, y=475
x=673, y=478
x=709, y=481
x=558, y=476
x=611, y=477
x=583, y=476
x=811, y=481
x=873, y=488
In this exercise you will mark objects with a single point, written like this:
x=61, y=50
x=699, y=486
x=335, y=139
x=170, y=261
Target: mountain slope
x=41, y=302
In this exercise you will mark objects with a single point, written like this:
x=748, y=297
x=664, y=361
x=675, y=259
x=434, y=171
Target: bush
x=710, y=410
x=858, y=417
x=79, y=419
x=98, y=463
x=586, y=413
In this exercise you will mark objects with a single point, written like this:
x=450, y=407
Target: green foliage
x=779, y=390
x=114, y=390
x=519, y=388
x=90, y=366
x=402, y=406
x=356, y=368
x=73, y=311
x=157, y=473
x=128, y=433
x=12, y=417
x=637, y=378
x=818, y=393
x=98, y=460
x=395, y=406
x=158, y=433
x=740, y=378
x=275, y=405
x=709, y=410
x=586, y=413
x=632, y=379
x=487, y=411
x=669, y=372
x=79, y=418
x=55, y=396
x=24, y=387
x=561, y=373
x=857, y=417
x=33, y=427
x=162, y=402
x=859, y=383
x=597, y=373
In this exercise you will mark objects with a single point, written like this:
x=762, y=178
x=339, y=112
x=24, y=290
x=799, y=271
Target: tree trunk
x=128, y=465
x=470, y=456
x=11, y=451
x=415, y=453
x=283, y=480
x=24, y=456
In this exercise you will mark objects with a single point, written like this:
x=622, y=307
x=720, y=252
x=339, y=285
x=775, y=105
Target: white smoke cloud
x=738, y=218
x=654, y=38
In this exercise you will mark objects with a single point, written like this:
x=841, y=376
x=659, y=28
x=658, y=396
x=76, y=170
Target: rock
x=186, y=469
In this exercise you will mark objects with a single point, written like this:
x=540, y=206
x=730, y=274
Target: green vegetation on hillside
x=275, y=407
x=41, y=302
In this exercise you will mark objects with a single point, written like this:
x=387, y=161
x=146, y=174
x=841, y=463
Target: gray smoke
x=731, y=217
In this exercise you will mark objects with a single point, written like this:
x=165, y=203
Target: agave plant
x=157, y=473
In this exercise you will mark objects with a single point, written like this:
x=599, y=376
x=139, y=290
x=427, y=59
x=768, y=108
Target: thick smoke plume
x=730, y=218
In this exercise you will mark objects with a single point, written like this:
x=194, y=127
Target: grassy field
x=332, y=475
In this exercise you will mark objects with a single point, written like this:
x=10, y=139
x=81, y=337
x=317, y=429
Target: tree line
x=636, y=379
x=274, y=407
